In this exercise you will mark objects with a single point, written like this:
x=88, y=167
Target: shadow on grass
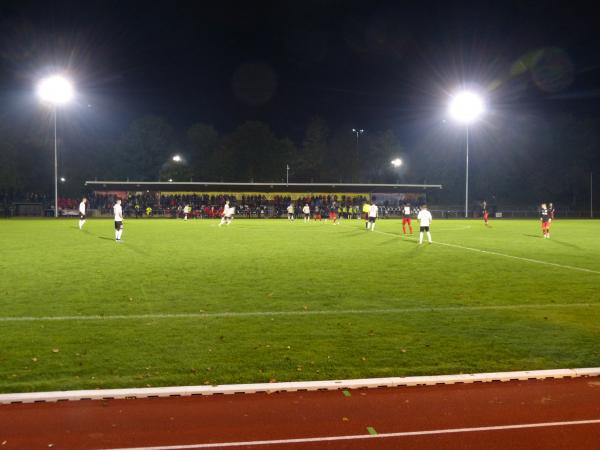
x=533, y=235
x=565, y=244
x=105, y=238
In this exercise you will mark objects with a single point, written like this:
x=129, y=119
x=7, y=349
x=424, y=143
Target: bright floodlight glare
x=63, y=179
x=466, y=107
x=177, y=158
x=56, y=90
x=396, y=162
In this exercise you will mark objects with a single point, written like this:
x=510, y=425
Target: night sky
x=367, y=64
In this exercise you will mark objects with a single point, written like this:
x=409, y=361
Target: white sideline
x=518, y=426
x=491, y=252
x=317, y=312
x=99, y=394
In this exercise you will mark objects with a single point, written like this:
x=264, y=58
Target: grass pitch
x=185, y=303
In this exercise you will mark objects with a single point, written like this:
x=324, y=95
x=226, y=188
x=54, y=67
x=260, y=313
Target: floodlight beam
x=396, y=162
x=56, y=90
x=466, y=107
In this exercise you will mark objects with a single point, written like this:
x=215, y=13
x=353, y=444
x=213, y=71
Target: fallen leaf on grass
x=55, y=350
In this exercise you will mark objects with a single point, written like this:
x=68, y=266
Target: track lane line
x=366, y=436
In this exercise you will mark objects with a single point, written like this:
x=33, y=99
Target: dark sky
x=363, y=63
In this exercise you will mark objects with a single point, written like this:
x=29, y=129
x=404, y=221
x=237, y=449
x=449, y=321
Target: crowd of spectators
x=204, y=205
x=209, y=206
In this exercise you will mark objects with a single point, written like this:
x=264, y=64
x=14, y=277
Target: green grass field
x=187, y=303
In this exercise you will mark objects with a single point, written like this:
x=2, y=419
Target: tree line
x=515, y=162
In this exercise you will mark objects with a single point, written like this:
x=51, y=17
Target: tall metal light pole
x=357, y=132
x=287, y=174
x=466, y=107
x=55, y=90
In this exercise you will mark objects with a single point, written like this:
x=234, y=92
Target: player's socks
x=410, y=229
x=403, y=229
x=421, y=237
x=373, y=227
x=429, y=237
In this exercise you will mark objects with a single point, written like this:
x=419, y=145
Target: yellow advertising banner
x=268, y=195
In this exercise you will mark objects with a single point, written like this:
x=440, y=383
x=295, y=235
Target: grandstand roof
x=209, y=186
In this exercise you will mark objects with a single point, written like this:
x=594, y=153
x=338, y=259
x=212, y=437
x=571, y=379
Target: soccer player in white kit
x=82, y=216
x=306, y=212
x=290, y=211
x=228, y=212
x=118, y=210
x=424, y=223
x=373, y=211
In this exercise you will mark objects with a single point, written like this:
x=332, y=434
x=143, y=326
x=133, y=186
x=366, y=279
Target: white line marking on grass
x=328, y=312
x=369, y=436
x=537, y=261
x=491, y=252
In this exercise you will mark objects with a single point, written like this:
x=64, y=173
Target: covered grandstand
x=251, y=199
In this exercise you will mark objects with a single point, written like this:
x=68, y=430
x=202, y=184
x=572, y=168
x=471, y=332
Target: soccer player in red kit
x=485, y=217
x=406, y=211
x=545, y=218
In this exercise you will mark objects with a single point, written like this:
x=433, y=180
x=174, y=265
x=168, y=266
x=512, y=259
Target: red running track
x=543, y=414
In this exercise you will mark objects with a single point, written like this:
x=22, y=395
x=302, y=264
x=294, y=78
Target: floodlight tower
x=465, y=108
x=396, y=162
x=357, y=132
x=56, y=91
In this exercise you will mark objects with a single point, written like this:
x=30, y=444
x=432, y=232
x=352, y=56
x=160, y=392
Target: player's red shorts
x=332, y=215
x=485, y=216
x=545, y=225
x=406, y=220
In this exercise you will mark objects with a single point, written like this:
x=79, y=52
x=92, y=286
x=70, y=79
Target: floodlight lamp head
x=396, y=162
x=466, y=107
x=177, y=158
x=56, y=90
